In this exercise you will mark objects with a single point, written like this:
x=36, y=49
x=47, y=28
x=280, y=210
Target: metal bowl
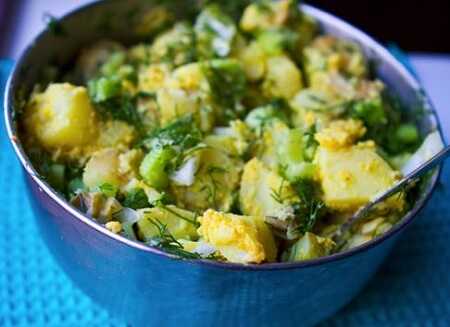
x=145, y=286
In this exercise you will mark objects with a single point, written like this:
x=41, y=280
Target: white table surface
x=433, y=70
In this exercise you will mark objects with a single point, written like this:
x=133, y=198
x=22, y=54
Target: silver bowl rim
x=316, y=13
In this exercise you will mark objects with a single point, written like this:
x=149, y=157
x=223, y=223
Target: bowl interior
x=119, y=20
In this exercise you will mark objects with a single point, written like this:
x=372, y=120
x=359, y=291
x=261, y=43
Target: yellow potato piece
x=352, y=176
x=171, y=216
x=174, y=103
x=283, y=78
x=62, y=117
x=102, y=167
x=115, y=133
x=256, y=18
x=258, y=185
x=253, y=61
x=240, y=239
x=215, y=182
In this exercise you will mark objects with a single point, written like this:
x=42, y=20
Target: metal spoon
x=361, y=213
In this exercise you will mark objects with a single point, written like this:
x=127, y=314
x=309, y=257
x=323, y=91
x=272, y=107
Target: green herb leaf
x=215, y=32
x=108, y=189
x=167, y=242
x=53, y=25
x=136, y=199
x=192, y=220
x=228, y=85
x=182, y=133
x=310, y=208
x=263, y=116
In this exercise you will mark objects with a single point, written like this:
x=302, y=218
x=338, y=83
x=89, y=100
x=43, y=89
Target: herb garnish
x=182, y=133
x=215, y=32
x=277, y=194
x=211, y=188
x=108, y=189
x=167, y=242
x=228, y=86
x=136, y=199
x=310, y=208
x=54, y=25
x=192, y=220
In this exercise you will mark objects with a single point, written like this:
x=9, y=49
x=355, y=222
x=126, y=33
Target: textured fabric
x=411, y=289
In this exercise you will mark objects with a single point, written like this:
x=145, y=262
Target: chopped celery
x=407, y=133
x=276, y=41
x=292, y=158
x=113, y=63
x=153, y=167
x=310, y=246
x=369, y=111
x=261, y=116
x=56, y=173
x=215, y=33
x=108, y=189
x=104, y=88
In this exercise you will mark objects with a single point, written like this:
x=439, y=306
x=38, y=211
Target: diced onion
x=429, y=148
x=185, y=175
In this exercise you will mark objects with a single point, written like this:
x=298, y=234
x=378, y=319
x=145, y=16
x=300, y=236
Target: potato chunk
x=115, y=133
x=62, y=117
x=240, y=239
x=175, y=103
x=283, y=78
x=352, y=176
x=215, y=182
x=310, y=246
x=103, y=167
x=273, y=139
x=253, y=61
x=331, y=54
x=178, y=222
x=264, y=193
x=258, y=17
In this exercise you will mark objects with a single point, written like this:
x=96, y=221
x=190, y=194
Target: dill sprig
x=54, y=25
x=211, y=188
x=277, y=194
x=192, y=220
x=310, y=208
x=182, y=133
x=167, y=242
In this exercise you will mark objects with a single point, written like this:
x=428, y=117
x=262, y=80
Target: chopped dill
x=54, y=25
x=192, y=220
x=277, y=194
x=182, y=133
x=167, y=242
x=211, y=188
x=136, y=199
x=310, y=208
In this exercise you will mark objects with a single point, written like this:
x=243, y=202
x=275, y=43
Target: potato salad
x=243, y=135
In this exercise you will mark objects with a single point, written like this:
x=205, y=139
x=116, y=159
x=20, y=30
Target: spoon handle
x=412, y=176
